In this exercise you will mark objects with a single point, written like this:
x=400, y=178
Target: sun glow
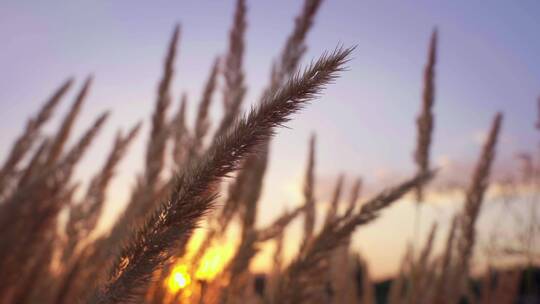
x=185, y=276
x=213, y=261
x=179, y=278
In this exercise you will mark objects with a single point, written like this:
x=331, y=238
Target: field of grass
x=50, y=251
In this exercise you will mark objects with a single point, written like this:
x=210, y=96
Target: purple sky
x=488, y=61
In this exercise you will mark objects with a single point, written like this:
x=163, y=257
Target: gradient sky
x=488, y=61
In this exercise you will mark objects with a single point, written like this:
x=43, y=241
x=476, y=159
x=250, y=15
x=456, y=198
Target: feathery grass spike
x=59, y=141
x=194, y=192
x=473, y=203
x=309, y=197
x=235, y=88
x=424, y=121
x=24, y=142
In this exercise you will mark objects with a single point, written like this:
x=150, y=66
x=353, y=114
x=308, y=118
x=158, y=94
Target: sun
x=178, y=279
x=186, y=275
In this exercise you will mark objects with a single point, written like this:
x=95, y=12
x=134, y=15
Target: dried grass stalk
x=421, y=270
x=424, y=121
x=303, y=276
x=295, y=47
x=275, y=275
x=195, y=189
x=50, y=181
x=180, y=135
x=28, y=284
x=36, y=164
x=347, y=280
x=155, y=154
x=355, y=194
x=334, y=203
x=396, y=294
x=277, y=227
x=84, y=216
x=235, y=88
x=59, y=141
x=366, y=292
x=25, y=141
x=202, y=122
x=471, y=208
x=254, y=167
x=55, y=181
x=231, y=206
x=233, y=94
x=35, y=208
x=507, y=287
x=446, y=267
x=74, y=155
x=292, y=52
x=309, y=196
x=243, y=198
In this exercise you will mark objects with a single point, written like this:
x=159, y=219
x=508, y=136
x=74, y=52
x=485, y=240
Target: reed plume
x=84, y=216
x=366, y=292
x=202, y=122
x=233, y=94
x=233, y=71
x=254, y=167
x=243, y=195
x=421, y=271
x=471, y=209
x=295, y=46
x=62, y=135
x=48, y=258
x=355, y=194
x=396, y=294
x=36, y=163
x=446, y=267
x=73, y=156
x=155, y=154
x=282, y=69
x=303, y=275
x=180, y=134
x=309, y=197
x=194, y=192
x=275, y=229
x=424, y=121
x=334, y=203
x=30, y=286
x=25, y=141
x=275, y=274
x=38, y=205
x=28, y=200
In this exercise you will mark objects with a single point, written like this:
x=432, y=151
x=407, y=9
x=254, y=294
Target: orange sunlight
x=215, y=259
x=178, y=279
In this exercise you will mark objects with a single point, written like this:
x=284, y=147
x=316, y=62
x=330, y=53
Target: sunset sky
x=488, y=61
